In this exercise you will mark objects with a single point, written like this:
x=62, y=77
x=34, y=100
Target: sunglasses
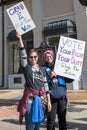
x=49, y=57
x=31, y=57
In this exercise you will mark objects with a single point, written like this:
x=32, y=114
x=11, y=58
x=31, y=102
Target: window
x=53, y=40
x=53, y=30
x=14, y=58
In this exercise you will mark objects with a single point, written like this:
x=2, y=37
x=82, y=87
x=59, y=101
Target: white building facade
x=53, y=18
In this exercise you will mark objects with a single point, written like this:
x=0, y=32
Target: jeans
x=59, y=108
x=29, y=124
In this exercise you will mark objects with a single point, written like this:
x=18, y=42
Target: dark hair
x=33, y=50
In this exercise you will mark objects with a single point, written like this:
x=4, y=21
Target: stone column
x=37, y=17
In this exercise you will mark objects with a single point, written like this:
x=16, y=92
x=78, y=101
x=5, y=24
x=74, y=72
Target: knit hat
x=48, y=52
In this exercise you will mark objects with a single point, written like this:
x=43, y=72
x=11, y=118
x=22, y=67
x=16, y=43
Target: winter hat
x=48, y=52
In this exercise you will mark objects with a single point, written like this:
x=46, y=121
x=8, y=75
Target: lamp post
x=2, y=7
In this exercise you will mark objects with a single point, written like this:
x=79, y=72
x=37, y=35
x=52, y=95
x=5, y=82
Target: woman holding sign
x=36, y=86
x=57, y=86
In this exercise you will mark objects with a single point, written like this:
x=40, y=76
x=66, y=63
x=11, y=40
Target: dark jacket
x=57, y=87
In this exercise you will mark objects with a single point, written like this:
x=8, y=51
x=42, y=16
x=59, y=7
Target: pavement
x=76, y=112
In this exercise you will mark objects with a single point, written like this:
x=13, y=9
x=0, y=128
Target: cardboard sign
x=20, y=18
x=69, y=59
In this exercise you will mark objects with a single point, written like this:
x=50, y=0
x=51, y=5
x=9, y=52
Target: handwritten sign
x=20, y=18
x=69, y=59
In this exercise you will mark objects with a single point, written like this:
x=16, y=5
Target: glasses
x=31, y=57
x=48, y=57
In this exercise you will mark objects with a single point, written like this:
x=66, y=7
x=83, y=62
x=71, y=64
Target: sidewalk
x=76, y=114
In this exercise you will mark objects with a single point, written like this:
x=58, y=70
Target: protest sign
x=69, y=58
x=20, y=18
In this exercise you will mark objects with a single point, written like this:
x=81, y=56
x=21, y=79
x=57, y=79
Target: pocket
x=57, y=92
x=63, y=104
x=30, y=101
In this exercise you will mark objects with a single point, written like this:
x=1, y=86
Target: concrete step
x=10, y=95
x=77, y=95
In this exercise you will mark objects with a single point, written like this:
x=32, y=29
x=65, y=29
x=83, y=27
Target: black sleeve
x=68, y=80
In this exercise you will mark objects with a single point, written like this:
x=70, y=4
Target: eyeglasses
x=31, y=57
x=48, y=57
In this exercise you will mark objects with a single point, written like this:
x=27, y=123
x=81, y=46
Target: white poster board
x=69, y=58
x=20, y=18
